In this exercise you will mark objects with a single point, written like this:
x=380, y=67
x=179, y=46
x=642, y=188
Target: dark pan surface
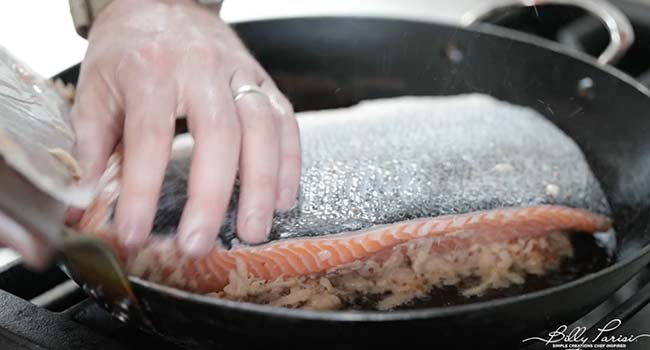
x=332, y=62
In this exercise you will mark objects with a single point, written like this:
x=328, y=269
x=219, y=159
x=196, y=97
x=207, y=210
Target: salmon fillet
x=313, y=257
x=453, y=174
x=464, y=183
x=161, y=261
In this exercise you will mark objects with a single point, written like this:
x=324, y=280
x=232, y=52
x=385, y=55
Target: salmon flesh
x=397, y=196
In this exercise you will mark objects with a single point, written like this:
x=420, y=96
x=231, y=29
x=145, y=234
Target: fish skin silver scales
x=389, y=160
x=36, y=133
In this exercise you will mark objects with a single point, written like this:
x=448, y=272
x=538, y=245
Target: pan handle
x=620, y=29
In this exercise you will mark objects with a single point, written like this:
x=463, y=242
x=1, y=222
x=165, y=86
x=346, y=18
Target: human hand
x=35, y=252
x=150, y=62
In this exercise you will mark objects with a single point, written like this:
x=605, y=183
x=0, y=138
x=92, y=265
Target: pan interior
x=327, y=67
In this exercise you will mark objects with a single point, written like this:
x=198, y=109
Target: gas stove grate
x=48, y=311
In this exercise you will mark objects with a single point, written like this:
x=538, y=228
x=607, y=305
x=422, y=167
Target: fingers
x=259, y=162
x=97, y=127
x=290, y=153
x=257, y=135
x=213, y=123
x=35, y=254
x=148, y=133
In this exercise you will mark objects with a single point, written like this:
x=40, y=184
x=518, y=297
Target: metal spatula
x=94, y=266
x=86, y=259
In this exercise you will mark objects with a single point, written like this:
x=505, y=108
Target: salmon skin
x=398, y=159
x=464, y=170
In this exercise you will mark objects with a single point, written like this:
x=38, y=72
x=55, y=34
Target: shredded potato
x=407, y=272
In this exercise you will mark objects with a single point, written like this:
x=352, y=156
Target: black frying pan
x=334, y=62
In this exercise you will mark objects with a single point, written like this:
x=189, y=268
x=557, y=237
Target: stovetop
x=48, y=311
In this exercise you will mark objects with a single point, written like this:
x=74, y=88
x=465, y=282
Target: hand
x=35, y=253
x=149, y=62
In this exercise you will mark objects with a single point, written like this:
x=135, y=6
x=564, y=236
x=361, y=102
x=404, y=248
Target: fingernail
x=73, y=216
x=286, y=200
x=198, y=243
x=131, y=237
x=257, y=227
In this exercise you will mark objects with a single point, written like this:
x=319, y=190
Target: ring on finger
x=248, y=89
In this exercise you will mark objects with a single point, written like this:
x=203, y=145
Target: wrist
x=85, y=13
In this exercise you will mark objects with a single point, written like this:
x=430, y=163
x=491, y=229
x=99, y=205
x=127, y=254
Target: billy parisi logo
x=563, y=338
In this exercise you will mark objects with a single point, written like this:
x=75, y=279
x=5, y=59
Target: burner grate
x=49, y=311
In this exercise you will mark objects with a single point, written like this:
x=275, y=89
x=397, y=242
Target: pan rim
x=425, y=313
x=478, y=28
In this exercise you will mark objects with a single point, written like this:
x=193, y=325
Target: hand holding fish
x=150, y=62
